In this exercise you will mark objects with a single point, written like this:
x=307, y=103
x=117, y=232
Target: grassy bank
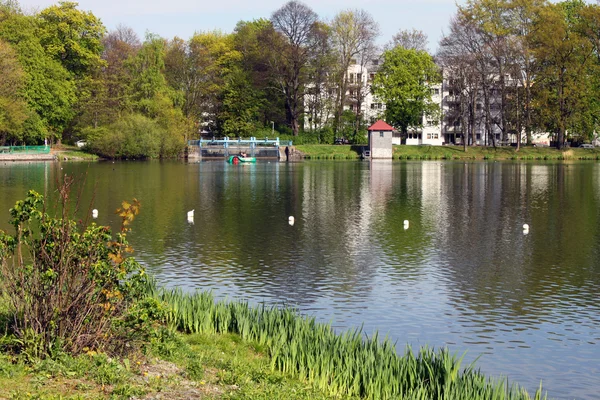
x=350, y=365
x=229, y=350
x=329, y=152
x=73, y=153
x=182, y=367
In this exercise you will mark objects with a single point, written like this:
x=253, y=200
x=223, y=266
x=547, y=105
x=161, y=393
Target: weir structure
x=252, y=147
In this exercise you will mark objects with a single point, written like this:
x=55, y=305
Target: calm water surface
x=463, y=275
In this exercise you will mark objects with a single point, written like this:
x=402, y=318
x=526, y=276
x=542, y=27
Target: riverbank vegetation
x=351, y=152
x=66, y=78
x=80, y=316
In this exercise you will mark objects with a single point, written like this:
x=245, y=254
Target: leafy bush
x=135, y=137
x=73, y=288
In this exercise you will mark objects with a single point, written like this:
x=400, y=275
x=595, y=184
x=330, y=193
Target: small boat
x=240, y=159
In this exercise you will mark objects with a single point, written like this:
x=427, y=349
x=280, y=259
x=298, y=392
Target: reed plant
x=349, y=364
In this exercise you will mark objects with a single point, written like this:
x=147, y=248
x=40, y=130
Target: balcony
x=452, y=129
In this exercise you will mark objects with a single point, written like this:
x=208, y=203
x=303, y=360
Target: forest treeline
x=64, y=77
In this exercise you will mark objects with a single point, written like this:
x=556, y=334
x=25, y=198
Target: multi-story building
x=358, y=97
x=447, y=129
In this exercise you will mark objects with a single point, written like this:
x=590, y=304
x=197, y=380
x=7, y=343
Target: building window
x=381, y=134
x=375, y=62
x=435, y=91
x=435, y=136
x=429, y=136
x=371, y=77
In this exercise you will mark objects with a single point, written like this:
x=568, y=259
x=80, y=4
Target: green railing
x=24, y=150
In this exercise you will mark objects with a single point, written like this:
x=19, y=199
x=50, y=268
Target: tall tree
x=523, y=15
x=13, y=110
x=353, y=33
x=110, y=98
x=72, y=37
x=250, y=39
x=295, y=22
x=490, y=19
x=459, y=66
x=198, y=69
x=563, y=58
x=317, y=96
x=49, y=88
x=404, y=82
x=409, y=39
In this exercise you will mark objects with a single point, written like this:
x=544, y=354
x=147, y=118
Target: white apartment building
x=436, y=132
x=358, y=95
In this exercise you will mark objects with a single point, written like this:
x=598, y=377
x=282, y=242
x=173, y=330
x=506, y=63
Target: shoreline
x=404, y=152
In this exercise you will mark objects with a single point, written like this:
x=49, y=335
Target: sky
x=184, y=17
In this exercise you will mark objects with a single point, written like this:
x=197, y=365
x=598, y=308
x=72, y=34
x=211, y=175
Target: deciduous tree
x=563, y=58
x=295, y=22
x=404, y=83
x=13, y=110
x=353, y=33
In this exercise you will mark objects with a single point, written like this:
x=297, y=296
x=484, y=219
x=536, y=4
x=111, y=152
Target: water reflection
x=462, y=275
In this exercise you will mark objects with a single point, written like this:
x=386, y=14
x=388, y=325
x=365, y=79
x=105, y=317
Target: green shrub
x=72, y=288
x=135, y=137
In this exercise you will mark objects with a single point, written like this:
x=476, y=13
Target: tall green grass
x=347, y=364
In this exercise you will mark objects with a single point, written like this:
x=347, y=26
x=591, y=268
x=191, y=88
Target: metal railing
x=229, y=142
x=24, y=149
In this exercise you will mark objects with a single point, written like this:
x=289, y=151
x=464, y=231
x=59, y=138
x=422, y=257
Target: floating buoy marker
x=405, y=224
x=525, y=229
x=190, y=217
x=94, y=213
x=291, y=220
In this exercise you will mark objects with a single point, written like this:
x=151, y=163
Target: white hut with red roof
x=380, y=140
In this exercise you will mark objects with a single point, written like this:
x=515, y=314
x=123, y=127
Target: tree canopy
x=404, y=83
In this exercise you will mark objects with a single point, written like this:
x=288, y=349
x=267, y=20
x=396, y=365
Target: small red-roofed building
x=380, y=140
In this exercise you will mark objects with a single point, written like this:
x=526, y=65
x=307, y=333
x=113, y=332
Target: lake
x=463, y=275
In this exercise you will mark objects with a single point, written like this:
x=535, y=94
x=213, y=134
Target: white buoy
x=525, y=229
x=190, y=214
x=406, y=224
x=291, y=220
x=190, y=220
x=94, y=213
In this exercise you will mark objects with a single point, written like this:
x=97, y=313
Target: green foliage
x=73, y=289
x=346, y=365
x=403, y=83
x=135, y=137
x=49, y=89
x=564, y=91
x=240, y=105
x=12, y=105
x=71, y=37
x=34, y=130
